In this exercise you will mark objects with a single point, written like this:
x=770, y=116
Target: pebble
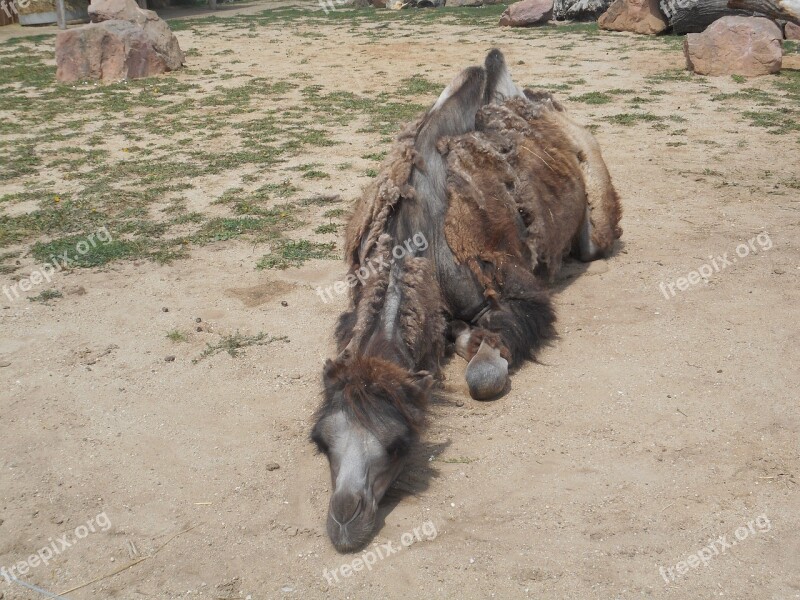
x=170, y=358
x=4, y=363
x=198, y=320
x=164, y=309
x=199, y=329
x=284, y=303
x=272, y=466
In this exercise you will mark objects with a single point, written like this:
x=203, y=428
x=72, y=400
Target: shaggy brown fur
x=502, y=184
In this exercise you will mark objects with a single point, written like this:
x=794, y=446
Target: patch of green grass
x=284, y=189
x=628, y=119
x=777, y=122
x=789, y=81
x=176, y=335
x=739, y=78
x=291, y=253
x=95, y=255
x=417, y=85
x=327, y=228
x=592, y=98
x=224, y=228
x=375, y=155
x=315, y=174
x=334, y=213
x=46, y=296
x=673, y=75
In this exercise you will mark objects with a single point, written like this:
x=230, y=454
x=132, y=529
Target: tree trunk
x=788, y=10
x=693, y=16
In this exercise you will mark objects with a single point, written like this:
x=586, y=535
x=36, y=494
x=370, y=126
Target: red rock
x=791, y=31
x=526, y=13
x=638, y=16
x=158, y=32
x=735, y=46
x=109, y=51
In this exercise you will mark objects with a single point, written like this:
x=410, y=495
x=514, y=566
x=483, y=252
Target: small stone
x=284, y=303
x=273, y=466
x=198, y=320
x=4, y=363
x=199, y=329
x=164, y=309
x=170, y=358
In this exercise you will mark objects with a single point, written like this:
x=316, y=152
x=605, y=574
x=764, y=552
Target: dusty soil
x=652, y=426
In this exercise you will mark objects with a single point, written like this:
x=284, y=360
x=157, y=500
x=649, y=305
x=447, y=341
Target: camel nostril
x=345, y=506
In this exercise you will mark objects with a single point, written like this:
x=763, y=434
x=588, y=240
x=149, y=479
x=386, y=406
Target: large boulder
x=791, y=31
x=164, y=41
x=638, y=16
x=735, y=46
x=527, y=13
x=108, y=51
x=122, y=42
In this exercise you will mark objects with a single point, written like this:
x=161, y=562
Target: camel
x=501, y=184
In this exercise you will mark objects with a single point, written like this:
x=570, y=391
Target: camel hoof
x=487, y=373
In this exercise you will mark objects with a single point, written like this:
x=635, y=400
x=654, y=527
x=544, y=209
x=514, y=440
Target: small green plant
x=176, y=335
x=739, y=78
x=327, y=228
x=233, y=344
x=46, y=296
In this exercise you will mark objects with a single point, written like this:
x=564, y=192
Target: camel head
x=366, y=426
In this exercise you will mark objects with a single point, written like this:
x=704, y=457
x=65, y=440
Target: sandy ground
x=653, y=426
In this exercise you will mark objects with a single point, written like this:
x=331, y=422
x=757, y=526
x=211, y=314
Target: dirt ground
x=656, y=424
